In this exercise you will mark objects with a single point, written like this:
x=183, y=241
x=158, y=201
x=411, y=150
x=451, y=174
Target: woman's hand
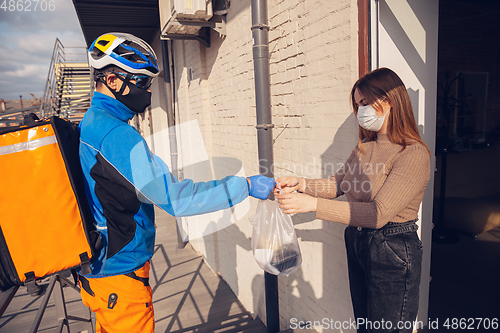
x=292, y=203
x=289, y=185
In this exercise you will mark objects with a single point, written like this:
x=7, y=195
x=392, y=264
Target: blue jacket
x=124, y=179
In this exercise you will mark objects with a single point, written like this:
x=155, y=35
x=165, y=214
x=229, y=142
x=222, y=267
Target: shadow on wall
x=296, y=294
x=414, y=53
x=222, y=245
x=202, y=58
x=221, y=236
x=414, y=94
x=417, y=54
x=216, y=41
x=299, y=293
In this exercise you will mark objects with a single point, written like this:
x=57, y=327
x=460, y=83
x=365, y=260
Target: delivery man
x=124, y=180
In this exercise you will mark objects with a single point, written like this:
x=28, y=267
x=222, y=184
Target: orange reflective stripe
x=28, y=145
x=26, y=135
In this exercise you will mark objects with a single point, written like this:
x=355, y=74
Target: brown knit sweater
x=383, y=184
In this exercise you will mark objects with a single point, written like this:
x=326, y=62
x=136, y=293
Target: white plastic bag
x=274, y=242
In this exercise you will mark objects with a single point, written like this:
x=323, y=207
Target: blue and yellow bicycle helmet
x=125, y=51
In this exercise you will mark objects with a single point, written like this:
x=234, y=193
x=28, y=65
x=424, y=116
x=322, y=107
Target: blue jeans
x=384, y=276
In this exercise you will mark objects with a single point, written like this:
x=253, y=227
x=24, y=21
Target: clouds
x=26, y=71
x=26, y=44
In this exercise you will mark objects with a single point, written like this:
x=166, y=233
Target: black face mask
x=137, y=100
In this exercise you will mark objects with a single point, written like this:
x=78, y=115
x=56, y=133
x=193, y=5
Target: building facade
x=318, y=49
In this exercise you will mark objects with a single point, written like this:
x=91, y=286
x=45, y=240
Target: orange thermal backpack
x=46, y=225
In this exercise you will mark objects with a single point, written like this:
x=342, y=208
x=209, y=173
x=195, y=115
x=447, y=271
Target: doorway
x=465, y=254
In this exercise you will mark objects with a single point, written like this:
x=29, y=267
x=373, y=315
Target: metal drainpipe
x=172, y=136
x=260, y=34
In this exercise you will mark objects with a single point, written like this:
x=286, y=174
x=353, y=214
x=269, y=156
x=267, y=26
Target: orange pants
x=122, y=303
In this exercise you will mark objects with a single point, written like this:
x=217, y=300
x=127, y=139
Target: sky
x=27, y=40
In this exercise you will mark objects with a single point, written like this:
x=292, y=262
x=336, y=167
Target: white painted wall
x=313, y=65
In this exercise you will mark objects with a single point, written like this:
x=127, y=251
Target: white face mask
x=368, y=119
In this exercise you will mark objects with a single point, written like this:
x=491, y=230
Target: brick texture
x=313, y=65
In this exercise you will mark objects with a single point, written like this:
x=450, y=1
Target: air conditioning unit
x=184, y=17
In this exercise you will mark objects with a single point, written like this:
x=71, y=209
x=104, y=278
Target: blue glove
x=261, y=186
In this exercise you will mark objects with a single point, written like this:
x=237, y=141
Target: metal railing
x=53, y=290
x=67, y=88
x=46, y=106
x=16, y=117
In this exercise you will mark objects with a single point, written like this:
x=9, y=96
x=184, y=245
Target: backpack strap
x=85, y=264
x=86, y=285
x=33, y=288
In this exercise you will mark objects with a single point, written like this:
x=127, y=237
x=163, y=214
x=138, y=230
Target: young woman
x=384, y=181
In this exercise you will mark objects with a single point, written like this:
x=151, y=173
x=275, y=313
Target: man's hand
x=260, y=186
x=289, y=185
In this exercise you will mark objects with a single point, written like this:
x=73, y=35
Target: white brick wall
x=313, y=66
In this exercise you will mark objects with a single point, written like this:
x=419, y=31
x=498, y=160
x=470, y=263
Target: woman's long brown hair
x=401, y=125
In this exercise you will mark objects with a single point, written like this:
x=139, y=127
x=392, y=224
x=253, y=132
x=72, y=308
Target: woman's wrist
x=302, y=185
